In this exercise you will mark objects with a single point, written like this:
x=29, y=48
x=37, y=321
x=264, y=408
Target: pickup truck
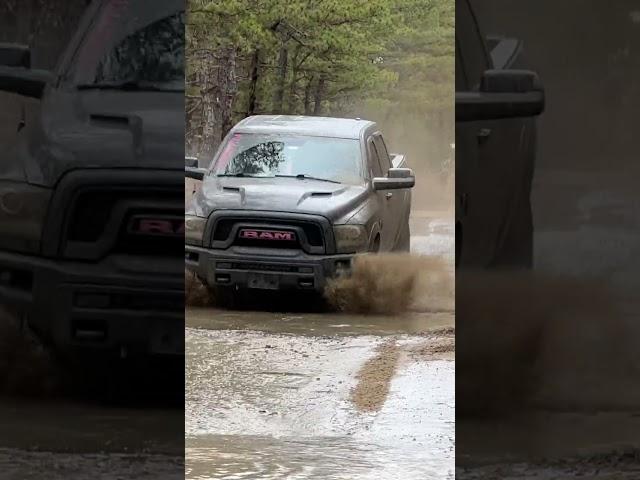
x=497, y=103
x=288, y=201
x=91, y=184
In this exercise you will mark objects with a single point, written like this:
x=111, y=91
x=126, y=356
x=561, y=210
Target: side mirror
x=396, y=178
x=191, y=162
x=16, y=75
x=502, y=94
x=195, y=173
x=15, y=55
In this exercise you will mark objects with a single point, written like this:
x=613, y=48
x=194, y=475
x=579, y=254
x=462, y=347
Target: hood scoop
x=237, y=190
x=325, y=194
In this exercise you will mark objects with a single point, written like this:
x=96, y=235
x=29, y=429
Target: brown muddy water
x=314, y=393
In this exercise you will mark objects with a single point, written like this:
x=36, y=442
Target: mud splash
x=541, y=341
x=195, y=293
x=378, y=284
x=393, y=283
x=26, y=366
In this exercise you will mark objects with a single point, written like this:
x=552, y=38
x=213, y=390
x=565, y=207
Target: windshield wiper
x=302, y=176
x=128, y=86
x=239, y=174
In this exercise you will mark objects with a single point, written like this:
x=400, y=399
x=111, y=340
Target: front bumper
x=121, y=303
x=241, y=267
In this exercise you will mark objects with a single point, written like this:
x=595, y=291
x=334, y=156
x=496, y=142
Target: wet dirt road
x=68, y=439
x=324, y=395
x=55, y=426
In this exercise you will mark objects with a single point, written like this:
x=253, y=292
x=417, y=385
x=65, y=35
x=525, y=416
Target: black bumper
x=261, y=268
x=123, y=303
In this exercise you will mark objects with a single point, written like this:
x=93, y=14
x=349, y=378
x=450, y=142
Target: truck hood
x=106, y=129
x=336, y=202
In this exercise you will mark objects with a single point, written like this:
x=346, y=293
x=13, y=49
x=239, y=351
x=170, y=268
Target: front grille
x=102, y=214
x=312, y=231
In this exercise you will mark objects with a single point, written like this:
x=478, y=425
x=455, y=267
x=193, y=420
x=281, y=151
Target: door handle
x=388, y=195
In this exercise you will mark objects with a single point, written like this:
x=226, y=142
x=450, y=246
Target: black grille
x=250, y=242
x=312, y=231
x=94, y=209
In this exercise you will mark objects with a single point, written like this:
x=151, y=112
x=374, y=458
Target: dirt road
x=58, y=426
x=325, y=395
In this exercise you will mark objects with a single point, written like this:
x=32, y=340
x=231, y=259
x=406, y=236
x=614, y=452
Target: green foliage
x=331, y=57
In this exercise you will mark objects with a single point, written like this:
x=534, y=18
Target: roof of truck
x=304, y=125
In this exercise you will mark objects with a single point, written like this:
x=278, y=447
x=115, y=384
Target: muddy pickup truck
x=497, y=103
x=288, y=201
x=91, y=184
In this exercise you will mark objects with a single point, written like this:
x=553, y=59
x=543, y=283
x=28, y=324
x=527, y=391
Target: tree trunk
x=218, y=89
x=278, y=96
x=317, y=101
x=253, y=84
x=291, y=100
x=208, y=142
x=307, y=96
x=228, y=91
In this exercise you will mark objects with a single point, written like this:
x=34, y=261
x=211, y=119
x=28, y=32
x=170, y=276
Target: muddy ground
x=58, y=425
x=576, y=411
x=367, y=392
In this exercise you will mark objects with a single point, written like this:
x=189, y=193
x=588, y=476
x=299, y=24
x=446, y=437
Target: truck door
x=384, y=200
x=492, y=156
x=394, y=198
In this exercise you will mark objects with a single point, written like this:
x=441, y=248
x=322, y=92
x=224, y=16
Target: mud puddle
x=282, y=406
x=356, y=389
x=317, y=324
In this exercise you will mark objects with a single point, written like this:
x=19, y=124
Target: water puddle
x=279, y=406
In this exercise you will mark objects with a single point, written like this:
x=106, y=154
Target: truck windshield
x=261, y=155
x=133, y=45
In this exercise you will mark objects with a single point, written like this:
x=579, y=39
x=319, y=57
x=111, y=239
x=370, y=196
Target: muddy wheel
x=375, y=246
x=227, y=297
x=404, y=241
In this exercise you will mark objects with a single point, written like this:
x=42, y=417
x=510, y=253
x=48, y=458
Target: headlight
x=350, y=238
x=194, y=229
x=23, y=208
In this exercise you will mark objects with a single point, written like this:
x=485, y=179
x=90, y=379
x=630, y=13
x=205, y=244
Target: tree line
x=383, y=59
